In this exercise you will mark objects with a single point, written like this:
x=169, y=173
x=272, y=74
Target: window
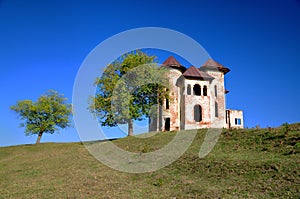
x=216, y=91
x=197, y=113
x=238, y=121
x=167, y=103
x=216, y=110
x=188, y=89
x=205, y=90
x=197, y=89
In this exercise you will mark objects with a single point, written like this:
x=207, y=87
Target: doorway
x=167, y=124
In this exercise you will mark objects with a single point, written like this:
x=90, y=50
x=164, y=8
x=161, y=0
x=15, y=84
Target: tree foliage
x=47, y=115
x=128, y=88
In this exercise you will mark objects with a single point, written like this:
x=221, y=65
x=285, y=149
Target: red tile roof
x=171, y=61
x=196, y=73
x=212, y=64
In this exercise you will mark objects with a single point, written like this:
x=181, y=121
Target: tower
x=217, y=92
x=169, y=112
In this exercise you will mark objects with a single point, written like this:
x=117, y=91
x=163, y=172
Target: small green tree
x=113, y=105
x=48, y=114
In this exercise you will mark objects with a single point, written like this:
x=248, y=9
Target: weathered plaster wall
x=181, y=105
x=219, y=98
x=174, y=103
x=191, y=100
x=232, y=116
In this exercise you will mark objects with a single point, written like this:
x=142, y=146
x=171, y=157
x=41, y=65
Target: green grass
x=246, y=163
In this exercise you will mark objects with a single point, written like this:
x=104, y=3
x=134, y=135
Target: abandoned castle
x=197, y=99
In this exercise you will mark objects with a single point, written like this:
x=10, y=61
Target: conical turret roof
x=213, y=65
x=173, y=63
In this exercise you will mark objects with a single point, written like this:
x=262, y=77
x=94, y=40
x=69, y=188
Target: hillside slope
x=245, y=163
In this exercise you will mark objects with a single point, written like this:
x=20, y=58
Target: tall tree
x=128, y=88
x=48, y=114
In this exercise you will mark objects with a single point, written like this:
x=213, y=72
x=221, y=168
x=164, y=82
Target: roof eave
x=197, y=77
x=222, y=69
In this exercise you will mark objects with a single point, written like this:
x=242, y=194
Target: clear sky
x=43, y=43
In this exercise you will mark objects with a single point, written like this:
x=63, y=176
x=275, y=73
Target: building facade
x=197, y=99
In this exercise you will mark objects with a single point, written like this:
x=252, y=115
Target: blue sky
x=43, y=43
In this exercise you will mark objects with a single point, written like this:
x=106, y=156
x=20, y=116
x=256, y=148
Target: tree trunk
x=130, y=127
x=39, y=137
x=157, y=113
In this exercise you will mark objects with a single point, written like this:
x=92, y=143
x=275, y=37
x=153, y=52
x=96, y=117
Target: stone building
x=197, y=99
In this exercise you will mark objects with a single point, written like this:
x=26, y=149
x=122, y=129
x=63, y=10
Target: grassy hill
x=250, y=163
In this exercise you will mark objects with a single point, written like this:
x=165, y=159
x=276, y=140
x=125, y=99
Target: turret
x=217, y=90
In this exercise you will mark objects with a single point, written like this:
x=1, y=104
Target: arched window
x=216, y=110
x=197, y=113
x=189, y=89
x=216, y=91
x=197, y=89
x=205, y=90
